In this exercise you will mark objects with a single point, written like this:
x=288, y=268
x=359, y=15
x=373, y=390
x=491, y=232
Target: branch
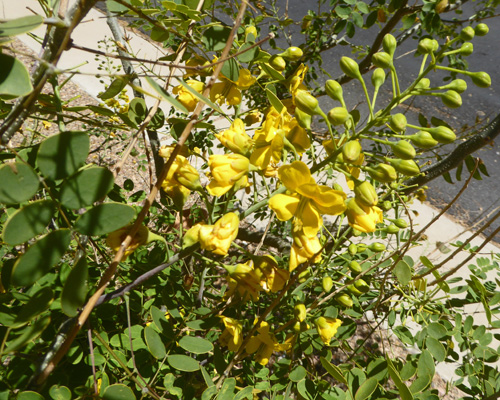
x=453, y=160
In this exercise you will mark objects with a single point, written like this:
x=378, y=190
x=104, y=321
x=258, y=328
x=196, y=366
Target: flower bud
x=351, y=151
x=382, y=60
x=191, y=236
x=352, y=249
x=350, y=68
x=442, y=134
x=327, y=283
x=481, y=79
x=383, y=173
x=377, y=247
x=300, y=312
x=292, y=54
x=344, y=300
x=334, y=90
x=189, y=178
x=403, y=149
x=392, y=229
x=423, y=84
x=427, y=46
x=355, y=267
x=327, y=328
x=250, y=30
x=361, y=285
x=386, y=205
x=338, y=115
x=277, y=62
x=451, y=99
x=303, y=119
x=304, y=275
x=481, y=29
x=458, y=85
x=354, y=290
x=400, y=223
x=366, y=194
x=466, y=49
x=361, y=247
x=467, y=33
x=389, y=44
x=423, y=140
x=378, y=77
x=398, y=122
x=405, y=167
x=307, y=102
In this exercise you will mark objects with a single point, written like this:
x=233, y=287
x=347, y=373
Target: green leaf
x=206, y=376
x=137, y=110
x=20, y=25
x=366, y=389
x=436, y=348
x=154, y=343
x=307, y=389
x=75, y=288
x=227, y=390
x=58, y=392
x=19, y=183
x=117, y=8
x=199, y=96
x=403, y=272
x=104, y=218
x=231, y=70
x=28, y=335
x=209, y=393
x=38, y=303
x=61, y=155
x=196, y=345
x=273, y=99
x=420, y=384
x=28, y=395
x=181, y=10
x=166, y=96
x=362, y=7
x=426, y=364
x=28, y=222
x=436, y=330
x=14, y=78
x=86, y=187
x=183, y=363
x=115, y=87
x=40, y=257
x=248, y=53
x=246, y=393
x=271, y=72
x=333, y=370
x=298, y=374
x=215, y=37
x=118, y=391
x=404, y=392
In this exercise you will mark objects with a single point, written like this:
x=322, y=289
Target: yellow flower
x=228, y=91
x=295, y=81
x=227, y=171
x=264, y=344
x=243, y=280
x=252, y=118
x=305, y=199
x=141, y=237
x=272, y=278
x=197, y=61
x=232, y=336
x=327, y=328
x=185, y=97
x=304, y=248
x=363, y=218
x=300, y=312
x=217, y=238
x=236, y=139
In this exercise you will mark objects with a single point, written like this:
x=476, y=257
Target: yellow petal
x=329, y=201
x=311, y=220
x=284, y=205
x=294, y=175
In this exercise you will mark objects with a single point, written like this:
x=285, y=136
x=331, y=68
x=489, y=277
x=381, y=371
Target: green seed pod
x=382, y=173
x=354, y=290
x=481, y=79
x=467, y=33
x=400, y=223
x=334, y=90
x=277, y=62
x=355, y=267
x=403, y=149
x=481, y=29
x=442, y=134
x=292, y=54
x=398, y=122
x=352, y=249
x=351, y=150
x=377, y=247
x=366, y=194
x=386, y=205
x=389, y=44
x=405, y=167
x=451, y=99
x=423, y=84
x=327, y=283
x=300, y=313
x=458, y=85
x=350, y=68
x=338, y=115
x=466, y=49
x=382, y=60
x=362, y=286
x=423, y=140
x=344, y=300
x=307, y=103
x=378, y=77
x=392, y=229
x=427, y=46
x=304, y=120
